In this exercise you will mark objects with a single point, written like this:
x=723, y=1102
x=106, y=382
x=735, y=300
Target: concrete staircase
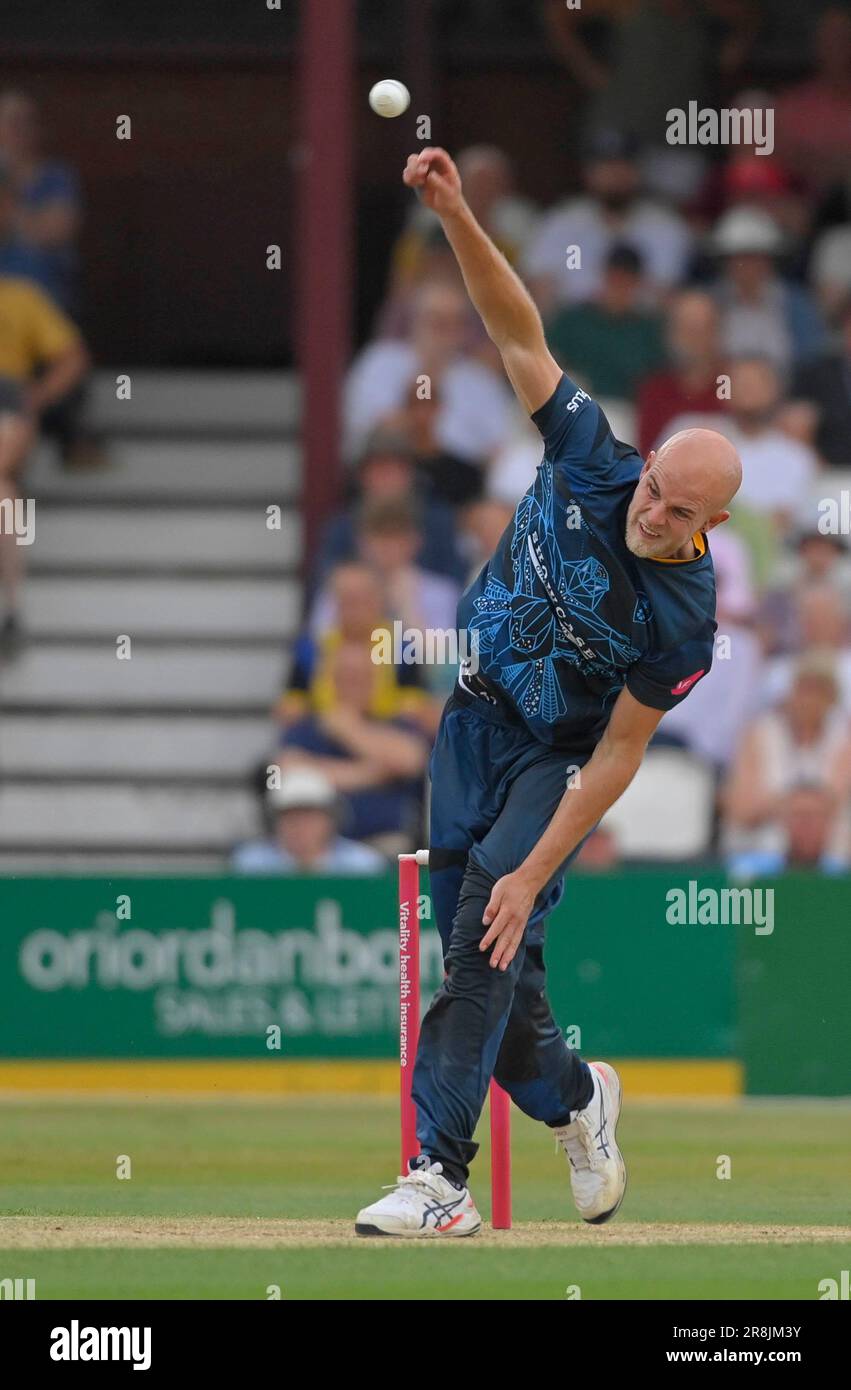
x=146, y=763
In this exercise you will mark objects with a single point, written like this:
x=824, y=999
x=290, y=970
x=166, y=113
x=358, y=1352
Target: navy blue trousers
x=494, y=789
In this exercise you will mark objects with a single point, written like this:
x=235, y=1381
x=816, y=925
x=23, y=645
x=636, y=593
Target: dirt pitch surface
x=151, y=1233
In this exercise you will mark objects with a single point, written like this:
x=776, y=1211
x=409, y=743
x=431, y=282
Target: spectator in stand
x=377, y=764
x=423, y=255
x=512, y=469
x=445, y=476
x=740, y=177
x=611, y=212
x=777, y=471
x=804, y=740
x=16, y=438
x=813, y=119
x=306, y=810
x=809, y=838
x=826, y=383
x=821, y=623
x=816, y=559
x=388, y=539
x=759, y=181
x=18, y=258
x=386, y=471
x=830, y=272
x=711, y=721
x=678, y=42
x=490, y=190
x=40, y=347
x=422, y=252
x=434, y=264
x=465, y=406
x=600, y=853
x=761, y=313
x=47, y=202
x=483, y=523
x=42, y=362
x=609, y=342
x=357, y=609
x=690, y=383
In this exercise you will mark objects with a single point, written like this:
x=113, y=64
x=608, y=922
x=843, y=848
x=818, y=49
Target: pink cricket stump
x=409, y=995
x=409, y=1036
x=500, y=1158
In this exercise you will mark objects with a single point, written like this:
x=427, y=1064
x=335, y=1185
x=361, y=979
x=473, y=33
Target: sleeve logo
x=576, y=401
x=684, y=685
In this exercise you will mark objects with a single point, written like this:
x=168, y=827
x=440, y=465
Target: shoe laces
x=408, y=1184
x=580, y=1142
x=583, y=1148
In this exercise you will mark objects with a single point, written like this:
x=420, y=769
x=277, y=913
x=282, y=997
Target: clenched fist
x=435, y=177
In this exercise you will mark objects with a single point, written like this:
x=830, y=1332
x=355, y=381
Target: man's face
x=621, y=289
x=756, y=391
x=663, y=514
x=810, y=701
x=807, y=816
x=386, y=475
x=614, y=182
x=440, y=322
x=358, y=600
x=306, y=832
x=750, y=270
x=390, y=550
x=692, y=328
x=354, y=675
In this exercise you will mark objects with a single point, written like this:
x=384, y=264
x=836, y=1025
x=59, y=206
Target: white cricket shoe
x=421, y=1203
x=597, y=1169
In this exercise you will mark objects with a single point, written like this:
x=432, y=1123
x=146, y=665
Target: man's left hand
x=505, y=916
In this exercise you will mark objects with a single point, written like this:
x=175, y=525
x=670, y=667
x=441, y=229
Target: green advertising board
x=201, y=967
x=794, y=992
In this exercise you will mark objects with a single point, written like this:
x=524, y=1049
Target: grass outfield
x=229, y=1197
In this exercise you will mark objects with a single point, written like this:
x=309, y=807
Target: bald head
x=684, y=488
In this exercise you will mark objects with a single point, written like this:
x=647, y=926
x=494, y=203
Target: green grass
x=321, y=1158
x=429, y=1272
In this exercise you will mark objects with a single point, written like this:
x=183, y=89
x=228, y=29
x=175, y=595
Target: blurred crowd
x=43, y=358
x=680, y=284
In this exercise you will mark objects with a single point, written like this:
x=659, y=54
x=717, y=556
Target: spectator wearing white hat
x=306, y=809
x=761, y=312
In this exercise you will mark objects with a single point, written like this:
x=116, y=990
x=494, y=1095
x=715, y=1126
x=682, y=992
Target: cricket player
x=594, y=615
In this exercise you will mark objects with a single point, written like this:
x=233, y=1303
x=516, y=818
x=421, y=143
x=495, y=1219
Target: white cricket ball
x=389, y=97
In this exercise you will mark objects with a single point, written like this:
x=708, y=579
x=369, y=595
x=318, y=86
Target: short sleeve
x=51, y=333
x=577, y=437
x=569, y=411
x=665, y=679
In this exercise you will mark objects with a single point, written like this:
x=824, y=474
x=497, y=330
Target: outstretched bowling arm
x=502, y=301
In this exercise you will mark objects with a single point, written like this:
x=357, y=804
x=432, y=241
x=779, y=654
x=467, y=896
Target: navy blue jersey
x=563, y=615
